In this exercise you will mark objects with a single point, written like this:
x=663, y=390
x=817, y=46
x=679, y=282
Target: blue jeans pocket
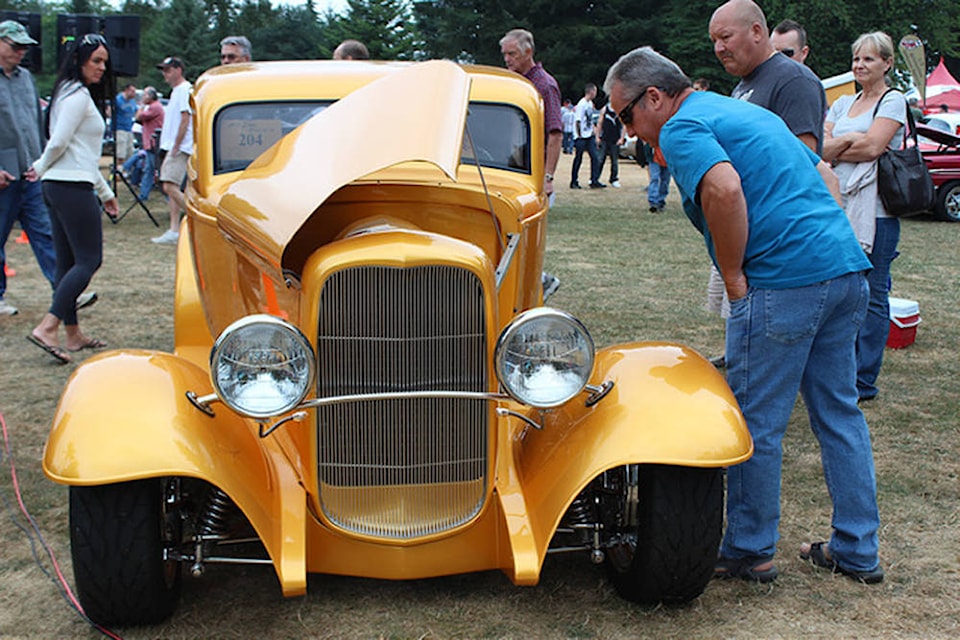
x=792, y=315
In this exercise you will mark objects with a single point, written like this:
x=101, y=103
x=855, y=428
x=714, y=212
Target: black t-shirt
x=789, y=89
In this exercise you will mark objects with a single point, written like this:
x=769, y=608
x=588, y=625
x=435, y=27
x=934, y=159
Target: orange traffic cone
x=22, y=238
x=8, y=270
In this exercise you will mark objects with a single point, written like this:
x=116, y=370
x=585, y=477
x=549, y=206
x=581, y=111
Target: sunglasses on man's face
x=626, y=114
x=228, y=57
x=16, y=46
x=787, y=52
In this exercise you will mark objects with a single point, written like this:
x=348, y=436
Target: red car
x=941, y=150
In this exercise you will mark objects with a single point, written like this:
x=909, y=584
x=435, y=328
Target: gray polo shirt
x=21, y=121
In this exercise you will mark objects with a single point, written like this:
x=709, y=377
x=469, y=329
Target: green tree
x=386, y=27
x=183, y=30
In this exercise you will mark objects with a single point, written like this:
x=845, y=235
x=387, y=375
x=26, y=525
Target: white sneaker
x=7, y=309
x=168, y=237
x=86, y=299
x=615, y=184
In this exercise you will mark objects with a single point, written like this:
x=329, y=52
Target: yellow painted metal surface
x=668, y=406
x=123, y=416
x=291, y=179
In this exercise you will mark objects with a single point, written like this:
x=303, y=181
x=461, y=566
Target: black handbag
x=903, y=181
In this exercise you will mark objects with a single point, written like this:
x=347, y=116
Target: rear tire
x=670, y=525
x=947, y=207
x=117, y=536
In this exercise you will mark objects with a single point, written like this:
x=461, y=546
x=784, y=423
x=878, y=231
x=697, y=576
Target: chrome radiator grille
x=402, y=468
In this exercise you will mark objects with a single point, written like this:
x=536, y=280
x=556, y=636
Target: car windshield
x=499, y=134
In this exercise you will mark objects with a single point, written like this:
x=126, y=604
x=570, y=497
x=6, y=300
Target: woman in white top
x=858, y=130
x=72, y=184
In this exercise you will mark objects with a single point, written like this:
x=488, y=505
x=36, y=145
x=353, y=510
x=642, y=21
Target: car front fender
x=668, y=406
x=124, y=416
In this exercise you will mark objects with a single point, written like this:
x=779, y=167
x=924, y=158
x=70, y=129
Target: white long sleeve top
x=76, y=136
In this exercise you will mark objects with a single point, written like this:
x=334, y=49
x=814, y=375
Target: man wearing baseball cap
x=21, y=143
x=176, y=140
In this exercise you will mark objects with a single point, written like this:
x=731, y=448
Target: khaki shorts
x=174, y=168
x=124, y=144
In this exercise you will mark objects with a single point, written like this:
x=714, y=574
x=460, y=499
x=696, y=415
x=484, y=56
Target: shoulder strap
x=912, y=129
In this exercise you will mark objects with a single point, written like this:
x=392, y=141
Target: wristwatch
x=548, y=177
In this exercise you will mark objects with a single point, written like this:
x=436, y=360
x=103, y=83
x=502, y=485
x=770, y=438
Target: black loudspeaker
x=123, y=37
x=71, y=26
x=33, y=60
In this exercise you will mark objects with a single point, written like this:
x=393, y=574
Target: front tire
x=947, y=207
x=669, y=526
x=117, y=537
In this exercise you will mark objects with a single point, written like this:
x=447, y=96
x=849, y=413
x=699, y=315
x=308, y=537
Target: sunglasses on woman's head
x=93, y=39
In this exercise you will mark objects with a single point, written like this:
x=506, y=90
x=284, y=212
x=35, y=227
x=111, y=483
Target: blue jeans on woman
x=780, y=342
x=872, y=339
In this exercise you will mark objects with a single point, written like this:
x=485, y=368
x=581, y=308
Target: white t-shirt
x=177, y=108
x=893, y=106
x=584, y=113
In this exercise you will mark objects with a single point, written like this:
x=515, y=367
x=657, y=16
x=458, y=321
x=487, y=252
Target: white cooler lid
x=901, y=307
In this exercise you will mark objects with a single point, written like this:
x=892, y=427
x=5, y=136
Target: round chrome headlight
x=262, y=366
x=544, y=357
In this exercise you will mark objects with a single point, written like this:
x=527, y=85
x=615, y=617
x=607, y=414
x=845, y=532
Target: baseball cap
x=171, y=61
x=15, y=32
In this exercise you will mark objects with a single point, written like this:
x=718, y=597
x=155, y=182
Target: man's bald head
x=741, y=38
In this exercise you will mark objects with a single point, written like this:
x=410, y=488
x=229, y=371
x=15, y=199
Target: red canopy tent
x=942, y=88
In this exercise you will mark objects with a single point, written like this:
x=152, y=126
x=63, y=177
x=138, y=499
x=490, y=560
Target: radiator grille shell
x=407, y=468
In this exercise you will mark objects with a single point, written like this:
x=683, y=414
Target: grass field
x=628, y=274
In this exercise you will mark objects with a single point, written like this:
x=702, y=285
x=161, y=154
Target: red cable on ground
x=72, y=599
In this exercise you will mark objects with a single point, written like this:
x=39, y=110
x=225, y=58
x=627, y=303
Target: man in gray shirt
x=741, y=41
x=21, y=142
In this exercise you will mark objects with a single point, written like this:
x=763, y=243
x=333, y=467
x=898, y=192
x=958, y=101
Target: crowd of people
x=800, y=272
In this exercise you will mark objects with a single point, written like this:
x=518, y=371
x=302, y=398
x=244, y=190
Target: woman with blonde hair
x=858, y=130
x=72, y=183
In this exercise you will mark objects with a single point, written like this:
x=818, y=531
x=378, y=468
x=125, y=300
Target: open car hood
x=938, y=136
x=416, y=114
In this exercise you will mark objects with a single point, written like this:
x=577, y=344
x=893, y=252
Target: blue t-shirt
x=125, y=111
x=798, y=234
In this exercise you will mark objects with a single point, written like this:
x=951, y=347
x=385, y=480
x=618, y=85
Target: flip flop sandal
x=818, y=556
x=91, y=343
x=745, y=568
x=59, y=354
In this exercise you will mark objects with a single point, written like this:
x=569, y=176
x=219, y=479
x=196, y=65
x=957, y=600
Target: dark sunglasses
x=16, y=46
x=626, y=114
x=93, y=39
x=228, y=56
x=787, y=52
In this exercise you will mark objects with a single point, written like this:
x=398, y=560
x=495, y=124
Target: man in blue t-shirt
x=125, y=108
x=794, y=272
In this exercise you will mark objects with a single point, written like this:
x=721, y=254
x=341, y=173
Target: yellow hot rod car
x=365, y=381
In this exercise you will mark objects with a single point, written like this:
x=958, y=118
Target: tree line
x=577, y=40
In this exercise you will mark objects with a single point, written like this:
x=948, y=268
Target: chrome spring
x=211, y=525
x=213, y=517
x=580, y=511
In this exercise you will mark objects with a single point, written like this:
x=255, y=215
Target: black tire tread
x=115, y=536
x=680, y=524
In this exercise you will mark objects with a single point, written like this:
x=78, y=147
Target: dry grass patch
x=628, y=274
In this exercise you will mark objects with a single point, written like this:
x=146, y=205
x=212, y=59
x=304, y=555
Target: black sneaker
x=597, y=185
x=575, y=185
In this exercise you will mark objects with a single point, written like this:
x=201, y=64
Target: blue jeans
x=22, y=200
x=588, y=145
x=780, y=342
x=611, y=150
x=872, y=339
x=568, y=141
x=140, y=170
x=659, y=185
